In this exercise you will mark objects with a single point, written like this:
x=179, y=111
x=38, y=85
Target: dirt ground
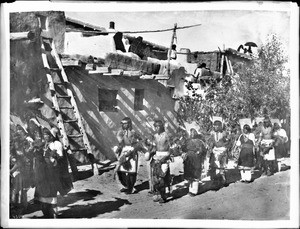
x=99, y=196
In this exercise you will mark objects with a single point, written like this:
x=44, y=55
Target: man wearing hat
x=127, y=154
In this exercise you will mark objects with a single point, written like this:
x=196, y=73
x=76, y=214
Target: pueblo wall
x=27, y=75
x=101, y=127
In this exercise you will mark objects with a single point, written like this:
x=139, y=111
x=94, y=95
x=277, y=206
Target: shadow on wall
x=101, y=126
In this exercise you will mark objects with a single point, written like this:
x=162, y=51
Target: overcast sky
x=218, y=28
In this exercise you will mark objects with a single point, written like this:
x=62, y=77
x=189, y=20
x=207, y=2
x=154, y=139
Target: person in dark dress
x=193, y=158
x=47, y=174
x=246, y=143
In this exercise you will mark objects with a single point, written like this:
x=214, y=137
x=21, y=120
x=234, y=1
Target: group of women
x=37, y=160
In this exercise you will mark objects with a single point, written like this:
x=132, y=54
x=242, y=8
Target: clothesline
x=142, y=31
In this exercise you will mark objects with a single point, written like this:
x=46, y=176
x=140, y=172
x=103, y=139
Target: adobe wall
x=27, y=76
x=100, y=126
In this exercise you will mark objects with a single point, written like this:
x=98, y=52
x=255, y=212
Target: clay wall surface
x=101, y=126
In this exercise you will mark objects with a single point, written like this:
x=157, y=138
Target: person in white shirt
x=280, y=138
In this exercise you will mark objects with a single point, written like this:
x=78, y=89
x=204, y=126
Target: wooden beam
x=147, y=77
x=170, y=50
x=19, y=36
x=117, y=71
x=100, y=70
x=161, y=77
x=132, y=73
x=70, y=62
x=89, y=67
x=82, y=58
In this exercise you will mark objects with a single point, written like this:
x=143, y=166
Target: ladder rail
x=58, y=62
x=54, y=98
x=72, y=100
x=80, y=124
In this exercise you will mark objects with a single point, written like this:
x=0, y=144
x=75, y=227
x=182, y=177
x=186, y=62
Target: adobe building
x=87, y=78
x=49, y=57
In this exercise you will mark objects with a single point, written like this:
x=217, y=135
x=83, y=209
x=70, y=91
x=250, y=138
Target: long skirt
x=246, y=157
x=65, y=179
x=192, y=166
x=280, y=151
x=47, y=181
x=127, y=179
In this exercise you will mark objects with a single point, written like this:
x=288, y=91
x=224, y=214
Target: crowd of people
x=37, y=160
x=260, y=147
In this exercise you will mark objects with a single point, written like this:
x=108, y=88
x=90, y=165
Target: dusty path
x=98, y=196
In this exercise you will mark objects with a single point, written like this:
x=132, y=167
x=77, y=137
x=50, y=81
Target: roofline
x=102, y=29
x=241, y=55
x=84, y=24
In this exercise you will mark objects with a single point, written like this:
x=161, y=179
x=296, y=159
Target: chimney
x=111, y=25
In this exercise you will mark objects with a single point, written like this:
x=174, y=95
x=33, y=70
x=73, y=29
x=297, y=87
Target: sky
x=219, y=28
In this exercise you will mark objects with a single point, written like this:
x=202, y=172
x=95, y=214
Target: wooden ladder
x=69, y=121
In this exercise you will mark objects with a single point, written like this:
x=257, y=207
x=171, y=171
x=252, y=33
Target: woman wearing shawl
x=246, y=142
x=47, y=174
x=193, y=159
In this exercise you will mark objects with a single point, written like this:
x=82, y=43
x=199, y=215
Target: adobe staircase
x=74, y=137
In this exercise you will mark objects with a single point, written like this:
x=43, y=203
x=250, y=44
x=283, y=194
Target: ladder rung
x=70, y=120
x=79, y=149
x=47, y=46
x=75, y=135
x=63, y=97
x=66, y=107
x=62, y=83
x=55, y=69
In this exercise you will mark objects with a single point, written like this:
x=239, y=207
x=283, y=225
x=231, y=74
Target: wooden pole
x=222, y=63
x=170, y=50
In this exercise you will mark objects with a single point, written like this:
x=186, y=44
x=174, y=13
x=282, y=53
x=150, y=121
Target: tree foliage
x=258, y=88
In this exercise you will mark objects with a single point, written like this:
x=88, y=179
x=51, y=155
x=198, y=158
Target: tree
x=259, y=88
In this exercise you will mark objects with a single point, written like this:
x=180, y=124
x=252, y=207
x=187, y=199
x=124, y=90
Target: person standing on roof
x=173, y=54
